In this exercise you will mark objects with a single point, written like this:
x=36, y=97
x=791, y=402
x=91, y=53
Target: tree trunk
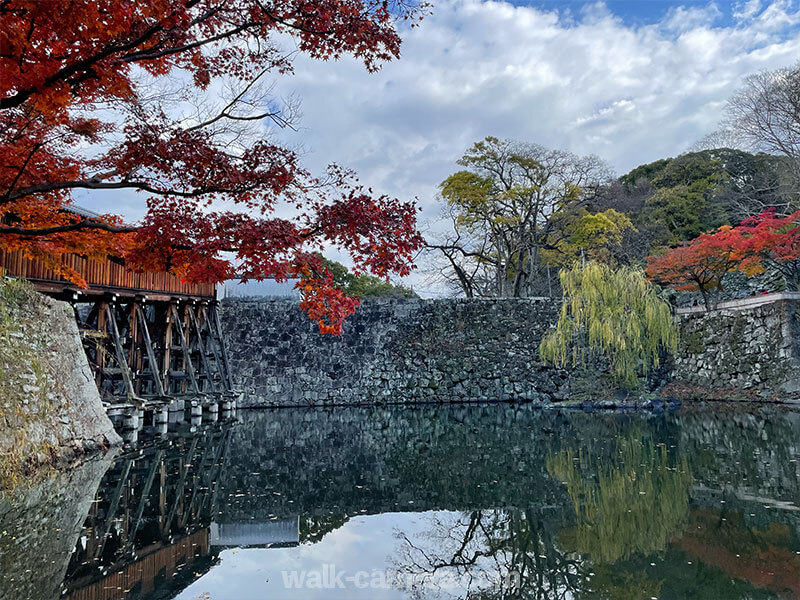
x=704, y=292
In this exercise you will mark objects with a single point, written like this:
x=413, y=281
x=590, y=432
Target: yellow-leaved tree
x=612, y=313
x=584, y=235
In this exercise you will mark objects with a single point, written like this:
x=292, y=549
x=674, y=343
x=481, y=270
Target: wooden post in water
x=100, y=342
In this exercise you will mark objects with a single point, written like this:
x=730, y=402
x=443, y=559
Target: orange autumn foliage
x=767, y=240
x=699, y=265
x=88, y=102
x=761, y=241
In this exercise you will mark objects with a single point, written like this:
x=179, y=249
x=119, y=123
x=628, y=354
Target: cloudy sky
x=631, y=81
x=628, y=84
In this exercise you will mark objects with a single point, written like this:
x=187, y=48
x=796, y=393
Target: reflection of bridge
x=153, y=341
x=151, y=518
x=160, y=568
x=165, y=512
x=280, y=533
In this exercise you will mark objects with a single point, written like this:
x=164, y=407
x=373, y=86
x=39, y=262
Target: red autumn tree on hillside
x=94, y=96
x=699, y=265
x=771, y=241
x=764, y=240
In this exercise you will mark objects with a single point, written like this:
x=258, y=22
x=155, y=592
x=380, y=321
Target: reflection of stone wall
x=749, y=454
x=399, y=351
x=39, y=527
x=742, y=348
x=351, y=460
x=457, y=457
x=327, y=465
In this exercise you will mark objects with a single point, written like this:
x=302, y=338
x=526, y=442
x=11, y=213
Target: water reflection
x=630, y=501
x=40, y=524
x=494, y=501
x=149, y=530
x=487, y=554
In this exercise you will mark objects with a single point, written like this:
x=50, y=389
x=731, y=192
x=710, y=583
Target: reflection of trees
x=607, y=582
x=628, y=500
x=487, y=554
x=315, y=527
x=632, y=502
x=764, y=558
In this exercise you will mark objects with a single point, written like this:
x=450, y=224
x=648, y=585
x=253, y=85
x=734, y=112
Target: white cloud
x=587, y=83
x=746, y=10
x=630, y=94
x=778, y=16
x=682, y=18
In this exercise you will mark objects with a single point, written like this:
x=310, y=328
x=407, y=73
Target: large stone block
x=750, y=348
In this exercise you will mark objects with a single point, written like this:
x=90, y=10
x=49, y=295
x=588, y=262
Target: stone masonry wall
x=393, y=351
x=49, y=404
x=477, y=350
x=753, y=348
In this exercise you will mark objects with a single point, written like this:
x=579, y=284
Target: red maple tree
x=764, y=240
x=699, y=265
x=767, y=240
x=94, y=96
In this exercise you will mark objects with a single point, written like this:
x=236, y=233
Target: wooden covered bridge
x=153, y=342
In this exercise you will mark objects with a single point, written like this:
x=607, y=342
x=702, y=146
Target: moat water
x=498, y=501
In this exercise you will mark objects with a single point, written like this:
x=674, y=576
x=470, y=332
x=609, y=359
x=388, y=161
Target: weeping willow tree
x=613, y=313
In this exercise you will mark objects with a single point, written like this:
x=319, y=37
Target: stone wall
x=50, y=409
x=393, y=351
x=477, y=350
x=747, y=346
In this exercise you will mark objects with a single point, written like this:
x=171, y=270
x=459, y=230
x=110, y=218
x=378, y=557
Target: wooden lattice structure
x=152, y=341
x=149, y=525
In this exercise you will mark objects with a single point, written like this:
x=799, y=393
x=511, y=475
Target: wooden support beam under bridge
x=153, y=342
x=148, y=353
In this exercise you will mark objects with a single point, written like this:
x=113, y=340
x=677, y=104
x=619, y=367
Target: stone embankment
x=397, y=350
x=742, y=348
x=411, y=351
x=50, y=409
x=401, y=351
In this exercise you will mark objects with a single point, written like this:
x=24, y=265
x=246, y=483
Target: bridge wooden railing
x=109, y=275
x=151, y=339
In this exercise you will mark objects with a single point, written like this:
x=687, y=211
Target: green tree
x=612, y=313
x=363, y=286
x=588, y=236
x=676, y=199
x=504, y=208
x=646, y=172
x=684, y=196
x=682, y=208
